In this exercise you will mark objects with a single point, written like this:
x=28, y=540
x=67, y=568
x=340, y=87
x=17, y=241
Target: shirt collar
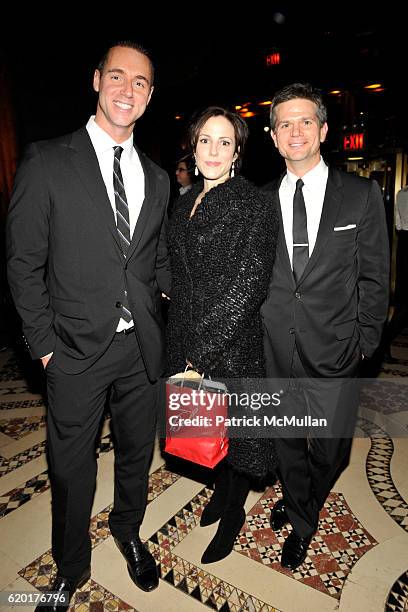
x=183, y=190
x=314, y=177
x=102, y=142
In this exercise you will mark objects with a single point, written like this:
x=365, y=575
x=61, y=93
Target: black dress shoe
x=294, y=550
x=278, y=518
x=141, y=564
x=61, y=584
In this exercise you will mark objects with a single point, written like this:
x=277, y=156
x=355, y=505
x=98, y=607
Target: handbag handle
x=201, y=376
x=184, y=375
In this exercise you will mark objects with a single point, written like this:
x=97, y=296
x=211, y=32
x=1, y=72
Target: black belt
x=127, y=330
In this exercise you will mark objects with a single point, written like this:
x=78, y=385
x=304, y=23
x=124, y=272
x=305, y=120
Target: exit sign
x=273, y=59
x=354, y=142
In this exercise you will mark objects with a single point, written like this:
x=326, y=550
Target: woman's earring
x=195, y=171
x=233, y=170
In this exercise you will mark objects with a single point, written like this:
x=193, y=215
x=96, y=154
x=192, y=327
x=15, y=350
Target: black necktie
x=300, y=239
x=122, y=221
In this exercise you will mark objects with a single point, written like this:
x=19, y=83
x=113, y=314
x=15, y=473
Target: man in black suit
x=87, y=261
x=325, y=310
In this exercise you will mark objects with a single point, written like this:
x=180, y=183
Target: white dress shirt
x=314, y=189
x=183, y=190
x=132, y=171
x=132, y=174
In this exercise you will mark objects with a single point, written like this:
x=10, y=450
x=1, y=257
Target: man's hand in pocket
x=45, y=359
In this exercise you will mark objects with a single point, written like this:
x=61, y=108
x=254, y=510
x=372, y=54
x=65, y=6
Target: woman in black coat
x=222, y=239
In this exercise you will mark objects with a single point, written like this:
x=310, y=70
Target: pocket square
x=345, y=227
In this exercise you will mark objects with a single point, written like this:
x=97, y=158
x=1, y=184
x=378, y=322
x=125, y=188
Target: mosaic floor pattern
x=91, y=596
x=343, y=541
x=339, y=543
x=398, y=597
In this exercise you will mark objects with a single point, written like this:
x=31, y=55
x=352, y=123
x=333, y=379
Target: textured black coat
x=221, y=262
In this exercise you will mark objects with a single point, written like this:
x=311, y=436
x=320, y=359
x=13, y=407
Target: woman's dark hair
x=299, y=90
x=129, y=44
x=241, y=130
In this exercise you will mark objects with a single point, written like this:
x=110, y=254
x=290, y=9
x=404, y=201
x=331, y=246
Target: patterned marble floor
x=358, y=559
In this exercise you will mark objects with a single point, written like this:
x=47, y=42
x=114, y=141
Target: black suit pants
x=310, y=464
x=76, y=404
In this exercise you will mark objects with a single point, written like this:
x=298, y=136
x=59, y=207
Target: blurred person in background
x=185, y=173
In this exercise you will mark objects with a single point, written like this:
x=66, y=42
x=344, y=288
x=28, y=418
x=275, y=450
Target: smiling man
x=87, y=261
x=327, y=304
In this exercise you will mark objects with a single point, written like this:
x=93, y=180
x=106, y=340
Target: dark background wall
x=204, y=56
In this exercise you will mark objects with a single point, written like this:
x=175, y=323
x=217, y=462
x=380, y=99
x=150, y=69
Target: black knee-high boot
x=213, y=510
x=232, y=518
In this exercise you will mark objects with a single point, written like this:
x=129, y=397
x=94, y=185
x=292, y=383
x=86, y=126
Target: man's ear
x=323, y=132
x=272, y=133
x=150, y=94
x=96, y=80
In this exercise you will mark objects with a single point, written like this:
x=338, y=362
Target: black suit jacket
x=66, y=269
x=337, y=309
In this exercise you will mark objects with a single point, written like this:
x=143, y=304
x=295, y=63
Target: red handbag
x=196, y=409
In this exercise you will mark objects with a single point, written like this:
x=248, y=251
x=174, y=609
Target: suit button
x=291, y=331
x=118, y=304
x=297, y=296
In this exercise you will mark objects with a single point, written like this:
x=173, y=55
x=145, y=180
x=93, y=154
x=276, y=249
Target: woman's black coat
x=221, y=263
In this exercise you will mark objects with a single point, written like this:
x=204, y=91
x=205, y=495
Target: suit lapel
x=86, y=164
x=282, y=249
x=331, y=204
x=150, y=189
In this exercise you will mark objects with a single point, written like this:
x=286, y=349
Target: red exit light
x=273, y=59
x=353, y=142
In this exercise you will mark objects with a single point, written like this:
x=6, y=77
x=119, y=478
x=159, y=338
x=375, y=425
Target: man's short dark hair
x=299, y=90
x=129, y=44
